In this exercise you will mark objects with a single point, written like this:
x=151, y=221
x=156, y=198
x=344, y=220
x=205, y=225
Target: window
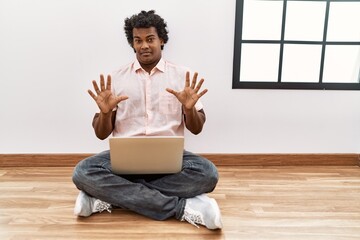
x=297, y=44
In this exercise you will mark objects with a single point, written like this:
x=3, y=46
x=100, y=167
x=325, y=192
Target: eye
x=137, y=41
x=149, y=40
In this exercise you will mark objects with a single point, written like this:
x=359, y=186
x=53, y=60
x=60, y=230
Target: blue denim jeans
x=156, y=196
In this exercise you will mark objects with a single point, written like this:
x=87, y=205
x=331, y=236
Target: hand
x=189, y=96
x=105, y=100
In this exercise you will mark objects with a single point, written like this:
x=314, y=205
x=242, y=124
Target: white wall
x=50, y=50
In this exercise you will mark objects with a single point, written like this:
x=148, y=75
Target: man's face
x=147, y=46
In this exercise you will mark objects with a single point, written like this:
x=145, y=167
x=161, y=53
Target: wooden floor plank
x=298, y=202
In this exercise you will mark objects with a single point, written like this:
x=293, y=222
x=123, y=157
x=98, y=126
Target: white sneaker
x=86, y=205
x=202, y=210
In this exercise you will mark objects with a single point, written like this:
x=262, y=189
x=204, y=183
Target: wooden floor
x=256, y=203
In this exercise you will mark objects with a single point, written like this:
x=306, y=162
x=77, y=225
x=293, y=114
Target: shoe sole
x=214, y=205
x=78, y=205
x=218, y=222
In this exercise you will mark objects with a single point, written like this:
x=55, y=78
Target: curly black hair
x=145, y=20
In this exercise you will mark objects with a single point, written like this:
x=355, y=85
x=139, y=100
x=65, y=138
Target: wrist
x=105, y=115
x=187, y=111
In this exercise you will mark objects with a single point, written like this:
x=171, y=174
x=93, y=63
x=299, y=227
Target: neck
x=150, y=66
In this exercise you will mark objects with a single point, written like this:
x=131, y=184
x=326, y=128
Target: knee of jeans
x=78, y=175
x=212, y=176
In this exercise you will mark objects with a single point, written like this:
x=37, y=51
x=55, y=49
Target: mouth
x=145, y=54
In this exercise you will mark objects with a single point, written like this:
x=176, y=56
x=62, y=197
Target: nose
x=144, y=45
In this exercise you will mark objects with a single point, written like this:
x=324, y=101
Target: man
x=148, y=98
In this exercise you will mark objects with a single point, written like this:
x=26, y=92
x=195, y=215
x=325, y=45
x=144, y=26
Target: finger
x=108, y=83
x=121, y=98
x=171, y=91
x=102, y=83
x=199, y=85
x=92, y=94
x=96, y=88
x=187, y=79
x=202, y=93
x=193, y=83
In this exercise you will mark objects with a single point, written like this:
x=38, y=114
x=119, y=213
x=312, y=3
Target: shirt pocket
x=169, y=104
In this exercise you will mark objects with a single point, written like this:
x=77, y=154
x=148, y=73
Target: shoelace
x=193, y=218
x=101, y=206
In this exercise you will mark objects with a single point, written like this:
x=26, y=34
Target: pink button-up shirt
x=150, y=110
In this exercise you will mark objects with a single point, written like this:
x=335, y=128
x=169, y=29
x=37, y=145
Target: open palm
x=190, y=94
x=104, y=98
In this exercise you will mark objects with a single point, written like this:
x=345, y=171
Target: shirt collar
x=159, y=66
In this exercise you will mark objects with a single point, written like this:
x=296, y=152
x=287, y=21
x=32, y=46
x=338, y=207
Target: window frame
x=238, y=41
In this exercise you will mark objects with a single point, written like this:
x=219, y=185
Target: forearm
x=103, y=124
x=194, y=120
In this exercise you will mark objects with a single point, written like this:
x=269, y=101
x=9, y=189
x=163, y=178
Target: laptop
x=146, y=155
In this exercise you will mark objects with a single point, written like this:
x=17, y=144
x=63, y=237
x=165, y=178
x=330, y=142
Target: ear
x=162, y=44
